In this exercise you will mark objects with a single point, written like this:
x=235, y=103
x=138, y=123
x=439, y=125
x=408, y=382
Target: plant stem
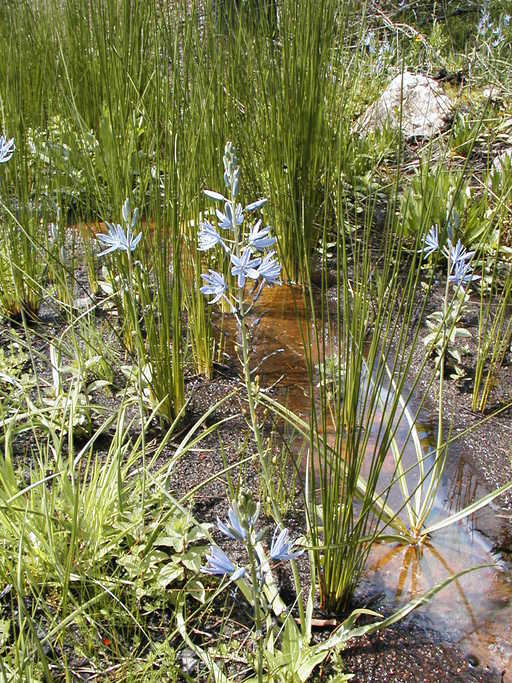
x=257, y=608
x=251, y=399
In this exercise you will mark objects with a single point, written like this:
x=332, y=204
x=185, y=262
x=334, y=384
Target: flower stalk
x=459, y=273
x=255, y=580
x=249, y=259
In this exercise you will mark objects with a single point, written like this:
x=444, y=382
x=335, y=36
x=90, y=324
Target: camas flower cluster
x=491, y=31
x=245, y=245
x=117, y=238
x=460, y=270
x=240, y=527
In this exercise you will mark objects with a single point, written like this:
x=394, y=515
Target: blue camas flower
x=461, y=271
x=457, y=254
x=208, y=237
x=7, y=148
x=281, y=548
x=269, y=270
x=218, y=563
x=215, y=284
x=117, y=240
x=259, y=239
x=235, y=528
x=244, y=266
x=369, y=42
x=462, y=274
x=431, y=242
x=243, y=245
x=226, y=219
x=459, y=260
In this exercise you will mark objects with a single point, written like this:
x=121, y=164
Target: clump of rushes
x=151, y=337
x=20, y=265
x=419, y=501
x=494, y=334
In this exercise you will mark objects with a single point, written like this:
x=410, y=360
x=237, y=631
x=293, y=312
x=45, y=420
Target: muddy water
x=476, y=610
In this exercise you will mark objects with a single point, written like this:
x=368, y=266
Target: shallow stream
x=476, y=611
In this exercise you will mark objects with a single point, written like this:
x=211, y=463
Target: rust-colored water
x=278, y=325
x=475, y=611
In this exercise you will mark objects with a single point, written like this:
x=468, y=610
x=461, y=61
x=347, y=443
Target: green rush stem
x=441, y=366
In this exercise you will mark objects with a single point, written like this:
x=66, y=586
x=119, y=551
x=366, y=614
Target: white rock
x=492, y=92
x=425, y=109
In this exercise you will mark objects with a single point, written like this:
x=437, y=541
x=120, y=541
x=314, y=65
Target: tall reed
x=290, y=117
x=352, y=430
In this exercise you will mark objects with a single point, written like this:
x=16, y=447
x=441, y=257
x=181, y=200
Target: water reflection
x=474, y=611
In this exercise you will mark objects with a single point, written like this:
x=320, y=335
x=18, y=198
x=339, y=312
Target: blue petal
x=215, y=195
x=238, y=574
x=225, y=530
x=255, y=205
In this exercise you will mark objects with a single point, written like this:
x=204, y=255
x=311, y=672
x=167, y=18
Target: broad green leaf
x=191, y=559
x=196, y=589
x=168, y=574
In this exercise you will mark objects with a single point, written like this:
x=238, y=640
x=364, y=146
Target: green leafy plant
x=66, y=405
x=444, y=198
x=16, y=381
x=62, y=155
x=93, y=350
x=173, y=559
x=464, y=133
x=445, y=330
x=104, y=547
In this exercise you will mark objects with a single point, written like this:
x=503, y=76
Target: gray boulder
x=418, y=99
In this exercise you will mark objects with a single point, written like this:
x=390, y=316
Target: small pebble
x=188, y=661
x=473, y=660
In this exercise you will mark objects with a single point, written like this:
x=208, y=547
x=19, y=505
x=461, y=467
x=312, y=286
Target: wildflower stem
x=253, y=416
x=139, y=349
x=439, y=440
x=258, y=620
